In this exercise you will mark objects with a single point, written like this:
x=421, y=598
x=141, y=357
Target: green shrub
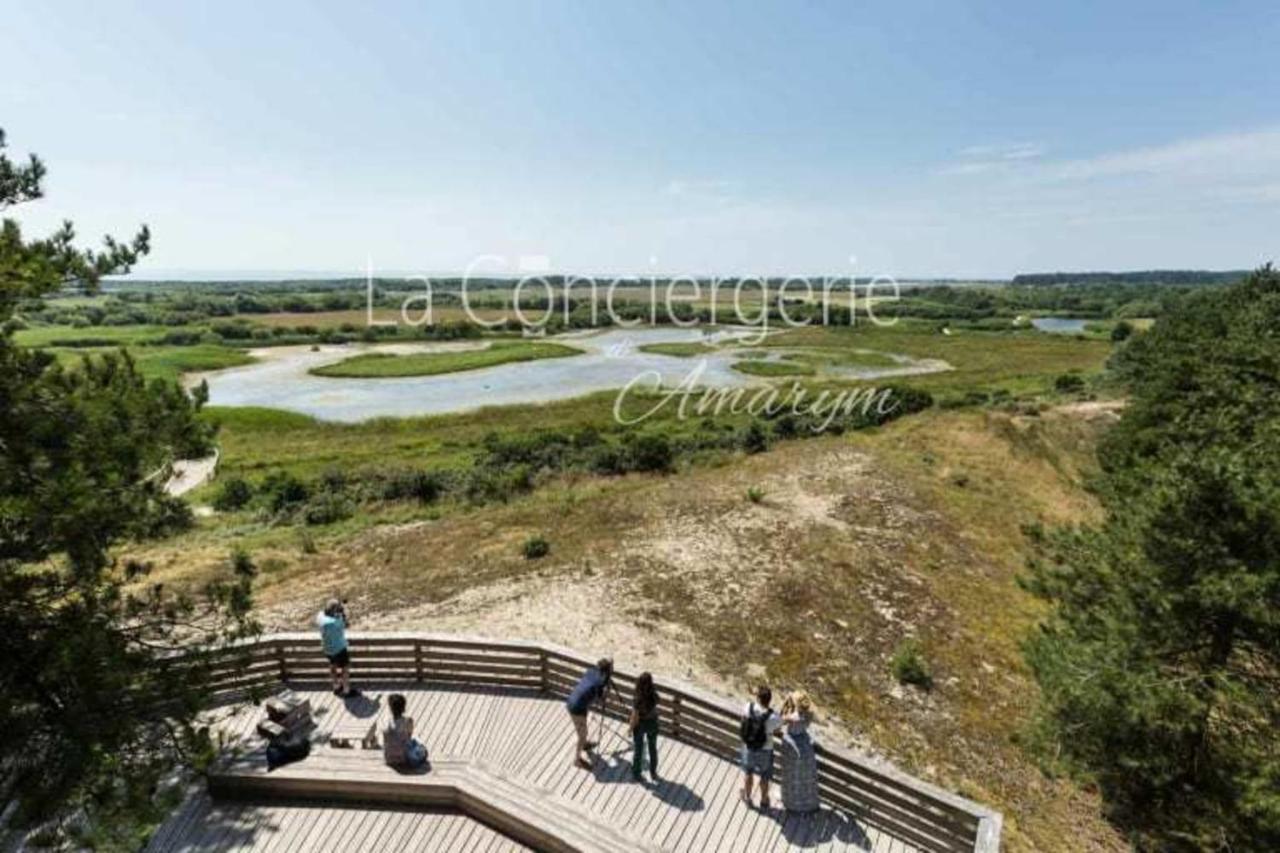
x=284, y=491
x=535, y=548
x=326, y=508
x=755, y=494
x=235, y=493
x=1068, y=383
x=909, y=666
x=651, y=452
x=755, y=438
x=412, y=484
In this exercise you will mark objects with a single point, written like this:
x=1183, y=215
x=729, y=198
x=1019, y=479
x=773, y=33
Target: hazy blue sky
x=923, y=138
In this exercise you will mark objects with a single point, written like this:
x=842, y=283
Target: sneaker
x=337, y=691
x=583, y=763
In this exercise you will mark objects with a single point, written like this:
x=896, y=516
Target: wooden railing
x=916, y=812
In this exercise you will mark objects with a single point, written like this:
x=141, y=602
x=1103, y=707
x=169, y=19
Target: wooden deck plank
x=478, y=718
x=397, y=828
x=530, y=738
x=550, y=738
x=457, y=829
x=682, y=828
x=205, y=830
x=719, y=795
x=455, y=719
x=173, y=827
x=232, y=824
x=720, y=817
x=514, y=730
x=348, y=830
x=483, y=746
x=317, y=834
x=681, y=767
x=473, y=835
x=559, y=769
x=493, y=742
x=418, y=837
x=412, y=819
x=284, y=824
x=369, y=839
x=532, y=752
x=321, y=827
x=677, y=824
x=676, y=764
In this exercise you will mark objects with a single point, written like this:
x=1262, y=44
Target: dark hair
x=396, y=701
x=646, y=698
x=605, y=665
x=764, y=695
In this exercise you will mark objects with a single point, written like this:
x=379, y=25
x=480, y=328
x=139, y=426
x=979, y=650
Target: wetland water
x=1060, y=325
x=610, y=359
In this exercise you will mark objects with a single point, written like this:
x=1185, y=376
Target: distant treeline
x=1180, y=277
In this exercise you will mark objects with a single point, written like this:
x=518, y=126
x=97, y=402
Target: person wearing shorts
x=759, y=722
x=332, y=622
x=589, y=690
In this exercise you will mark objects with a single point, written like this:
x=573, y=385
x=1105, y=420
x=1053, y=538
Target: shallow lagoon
x=611, y=359
x=1059, y=325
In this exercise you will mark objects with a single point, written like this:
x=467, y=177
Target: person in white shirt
x=399, y=747
x=759, y=722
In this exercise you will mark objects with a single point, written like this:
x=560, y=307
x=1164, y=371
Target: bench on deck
x=530, y=815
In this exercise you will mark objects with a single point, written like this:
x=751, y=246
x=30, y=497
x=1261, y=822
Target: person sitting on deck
x=333, y=634
x=590, y=688
x=398, y=744
x=759, y=722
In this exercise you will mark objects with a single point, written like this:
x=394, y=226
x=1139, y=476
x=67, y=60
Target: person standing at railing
x=799, y=759
x=590, y=688
x=332, y=622
x=644, y=727
x=759, y=722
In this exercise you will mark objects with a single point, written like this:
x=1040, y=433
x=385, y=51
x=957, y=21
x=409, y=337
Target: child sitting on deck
x=398, y=744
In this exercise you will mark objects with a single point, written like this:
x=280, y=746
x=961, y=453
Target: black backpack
x=286, y=749
x=754, y=731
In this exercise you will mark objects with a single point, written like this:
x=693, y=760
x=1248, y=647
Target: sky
x=909, y=139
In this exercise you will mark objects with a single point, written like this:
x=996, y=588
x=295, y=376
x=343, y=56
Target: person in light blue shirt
x=332, y=622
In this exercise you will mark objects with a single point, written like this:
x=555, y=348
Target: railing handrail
x=923, y=813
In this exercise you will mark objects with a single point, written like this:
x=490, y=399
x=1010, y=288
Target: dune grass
x=679, y=349
x=834, y=357
x=758, y=367
x=48, y=336
x=378, y=365
x=163, y=362
x=1018, y=362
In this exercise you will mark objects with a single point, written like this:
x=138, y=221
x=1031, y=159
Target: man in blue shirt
x=589, y=689
x=332, y=622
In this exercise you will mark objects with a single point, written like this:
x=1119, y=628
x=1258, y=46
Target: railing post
x=283, y=660
x=417, y=659
x=675, y=716
x=542, y=668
